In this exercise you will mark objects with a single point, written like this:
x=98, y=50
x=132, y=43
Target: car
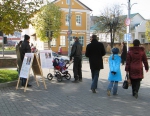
x=65, y=58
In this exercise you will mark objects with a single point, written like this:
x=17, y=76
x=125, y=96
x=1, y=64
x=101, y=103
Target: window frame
x=63, y=42
x=53, y=41
x=78, y=19
x=67, y=19
x=81, y=40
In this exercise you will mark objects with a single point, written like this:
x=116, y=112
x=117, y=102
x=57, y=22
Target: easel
x=36, y=70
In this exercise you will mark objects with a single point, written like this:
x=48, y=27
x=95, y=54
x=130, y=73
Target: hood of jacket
x=136, y=49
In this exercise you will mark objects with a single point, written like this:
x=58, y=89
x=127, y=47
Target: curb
x=13, y=83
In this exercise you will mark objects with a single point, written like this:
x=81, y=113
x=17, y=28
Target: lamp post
x=128, y=17
x=69, y=28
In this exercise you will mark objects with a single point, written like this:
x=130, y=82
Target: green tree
x=111, y=22
x=147, y=32
x=15, y=14
x=48, y=19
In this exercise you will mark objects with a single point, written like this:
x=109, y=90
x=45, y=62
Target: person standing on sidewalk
x=76, y=52
x=25, y=48
x=114, y=73
x=123, y=53
x=60, y=50
x=95, y=51
x=136, y=57
x=19, y=61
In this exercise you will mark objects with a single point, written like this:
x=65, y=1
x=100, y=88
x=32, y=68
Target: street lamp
x=69, y=28
x=128, y=17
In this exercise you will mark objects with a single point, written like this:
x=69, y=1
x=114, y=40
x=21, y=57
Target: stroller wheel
x=59, y=77
x=49, y=76
x=68, y=76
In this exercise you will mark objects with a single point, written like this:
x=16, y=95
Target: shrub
x=8, y=75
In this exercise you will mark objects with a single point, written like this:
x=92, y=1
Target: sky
x=142, y=7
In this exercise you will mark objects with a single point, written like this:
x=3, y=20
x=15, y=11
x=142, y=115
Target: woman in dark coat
x=18, y=51
x=136, y=57
x=123, y=53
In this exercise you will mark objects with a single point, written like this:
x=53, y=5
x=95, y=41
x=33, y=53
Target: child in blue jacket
x=114, y=73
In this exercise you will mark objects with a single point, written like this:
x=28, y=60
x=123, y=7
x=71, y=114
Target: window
x=62, y=41
x=53, y=42
x=78, y=20
x=143, y=36
x=81, y=40
x=67, y=19
x=67, y=1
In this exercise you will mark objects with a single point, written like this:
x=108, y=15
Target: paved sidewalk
x=70, y=99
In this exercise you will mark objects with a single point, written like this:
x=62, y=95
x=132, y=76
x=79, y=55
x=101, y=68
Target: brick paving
x=75, y=99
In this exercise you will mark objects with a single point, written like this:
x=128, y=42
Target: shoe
x=75, y=81
x=136, y=95
x=28, y=85
x=108, y=92
x=93, y=90
x=80, y=80
x=115, y=94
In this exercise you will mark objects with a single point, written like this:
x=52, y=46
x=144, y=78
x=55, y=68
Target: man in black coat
x=25, y=48
x=76, y=52
x=95, y=51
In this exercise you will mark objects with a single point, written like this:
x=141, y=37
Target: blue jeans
x=114, y=85
x=95, y=76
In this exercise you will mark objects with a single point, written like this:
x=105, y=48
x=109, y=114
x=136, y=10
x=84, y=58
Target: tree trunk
x=49, y=44
x=111, y=37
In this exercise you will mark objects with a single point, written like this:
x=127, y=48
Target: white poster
x=46, y=59
x=26, y=65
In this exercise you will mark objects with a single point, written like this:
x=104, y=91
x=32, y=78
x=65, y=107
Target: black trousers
x=77, y=66
x=23, y=81
x=135, y=85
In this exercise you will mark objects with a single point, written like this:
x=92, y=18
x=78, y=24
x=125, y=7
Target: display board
x=30, y=60
x=46, y=59
x=26, y=65
x=36, y=66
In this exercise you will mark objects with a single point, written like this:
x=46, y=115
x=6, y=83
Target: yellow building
x=80, y=27
x=80, y=24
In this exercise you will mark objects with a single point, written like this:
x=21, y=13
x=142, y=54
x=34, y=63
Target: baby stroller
x=60, y=70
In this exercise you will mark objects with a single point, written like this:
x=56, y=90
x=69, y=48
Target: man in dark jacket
x=25, y=48
x=76, y=52
x=94, y=51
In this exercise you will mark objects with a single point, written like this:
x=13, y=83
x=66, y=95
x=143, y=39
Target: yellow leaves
x=147, y=33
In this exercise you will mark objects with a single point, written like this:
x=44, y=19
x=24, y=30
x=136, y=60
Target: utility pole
x=69, y=28
x=128, y=21
x=128, y=27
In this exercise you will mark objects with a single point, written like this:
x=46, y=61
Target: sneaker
x=115, y=94
x=93, y=90
x=108, y=92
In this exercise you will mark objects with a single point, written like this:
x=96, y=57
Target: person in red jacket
x=136, y=57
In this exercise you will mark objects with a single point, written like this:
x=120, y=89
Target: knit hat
x=115, y=50
x=26, y=37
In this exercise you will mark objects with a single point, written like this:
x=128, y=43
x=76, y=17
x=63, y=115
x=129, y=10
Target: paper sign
x=26, y=65
x=46, y=59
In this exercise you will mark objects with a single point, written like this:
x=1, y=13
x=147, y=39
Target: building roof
x=131, y=15
x=79, y=2
x=97, y=24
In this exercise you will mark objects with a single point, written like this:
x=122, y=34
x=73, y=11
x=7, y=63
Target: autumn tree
x=47, y=20
x=111, y=22
x=15, y=14
x=147, y=32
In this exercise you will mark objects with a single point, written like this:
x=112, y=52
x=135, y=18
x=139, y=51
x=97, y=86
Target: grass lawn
x=8, y=75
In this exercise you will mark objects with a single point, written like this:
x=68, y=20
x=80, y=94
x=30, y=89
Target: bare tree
x=111, y=22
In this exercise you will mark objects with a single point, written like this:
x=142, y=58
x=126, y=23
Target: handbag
x=125, y=83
